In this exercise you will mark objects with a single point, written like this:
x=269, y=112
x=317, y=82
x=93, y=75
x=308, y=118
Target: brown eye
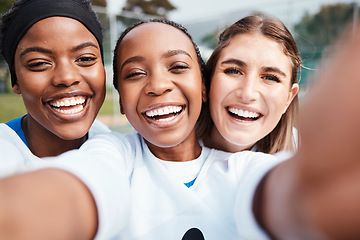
x=86, y=61
x=38, y=65
x=179, y=68
x=135, y=74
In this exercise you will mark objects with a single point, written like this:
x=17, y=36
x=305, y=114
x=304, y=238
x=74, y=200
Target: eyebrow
x=131, y=60
x=48, y=51
x=265, y=69
x=171, y=53
x=84, y=45
x=274, y=69
x=234, y=61
x=168, y=54
x=35, y=49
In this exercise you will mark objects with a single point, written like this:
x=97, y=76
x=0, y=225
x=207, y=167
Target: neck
x=44, y=143
x=187, y=150
x=217, y=141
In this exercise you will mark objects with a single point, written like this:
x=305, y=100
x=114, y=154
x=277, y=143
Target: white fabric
x=247, y=225
x=186, y=171
x=160, y=205
x=16, y=156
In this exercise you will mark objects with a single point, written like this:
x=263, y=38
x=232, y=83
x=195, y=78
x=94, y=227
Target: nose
x=159, y=82
x=248, y=89
x=66, y=75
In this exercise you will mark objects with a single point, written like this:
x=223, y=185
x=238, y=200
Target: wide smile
x=243, y=115
x=69, y=108
x=164, y=116
x=69, y=105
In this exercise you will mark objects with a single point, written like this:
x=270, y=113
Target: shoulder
x=5, y=129
x=7, y=134
x=97, y=128
x=113, y=142
x=15, y=156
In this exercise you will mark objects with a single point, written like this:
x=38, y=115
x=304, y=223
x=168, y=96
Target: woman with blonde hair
x=252, y=85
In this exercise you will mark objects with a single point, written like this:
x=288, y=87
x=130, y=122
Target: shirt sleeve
x=257, y=167
x=100, y=167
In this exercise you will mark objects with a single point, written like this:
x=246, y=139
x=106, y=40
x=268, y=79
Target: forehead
x=158, y=36
x=256, y=46
x=246, y=40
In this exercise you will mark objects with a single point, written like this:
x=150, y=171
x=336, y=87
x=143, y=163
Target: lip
x=70, y=106
x=164, y=115
x=242, y=114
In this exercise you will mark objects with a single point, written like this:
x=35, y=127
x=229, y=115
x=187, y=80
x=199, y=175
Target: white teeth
x=68, y=102
x=242, y=113
x=166, y=119
x=77, y=109
x=164, y=111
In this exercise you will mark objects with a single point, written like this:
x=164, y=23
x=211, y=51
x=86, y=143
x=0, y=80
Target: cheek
x=32, y=89
x=277, y=101
x=32, y=82
x=95, y=77
x=98, y=84
x=193, y=89
x=129, y=96
x=218, y=93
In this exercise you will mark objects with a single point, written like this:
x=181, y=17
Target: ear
x=16, y=89
x=203, y=92
x=293, y=92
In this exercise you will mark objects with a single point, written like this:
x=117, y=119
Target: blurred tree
x=314, y=33
x=5, y=5
x=211, y=39
x=144, y=9
x=4, y=73
x=100, y=3
x=158, y=8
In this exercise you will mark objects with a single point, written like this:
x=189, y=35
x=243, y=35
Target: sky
x=289, y=11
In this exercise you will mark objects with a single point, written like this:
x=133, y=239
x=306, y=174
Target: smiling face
x=160, y=84
x=250, y=90
x=60, y=76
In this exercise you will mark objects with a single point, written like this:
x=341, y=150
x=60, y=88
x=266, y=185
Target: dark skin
x=44, y=147
x=62, y=83
x=159, y=70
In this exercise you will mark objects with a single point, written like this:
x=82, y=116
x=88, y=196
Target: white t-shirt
x=138, y=196
x=17, y=157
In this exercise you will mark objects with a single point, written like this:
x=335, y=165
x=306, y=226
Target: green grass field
x=12, y=106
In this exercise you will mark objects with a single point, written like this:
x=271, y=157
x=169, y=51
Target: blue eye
x=232, y=70
x=271, y=77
